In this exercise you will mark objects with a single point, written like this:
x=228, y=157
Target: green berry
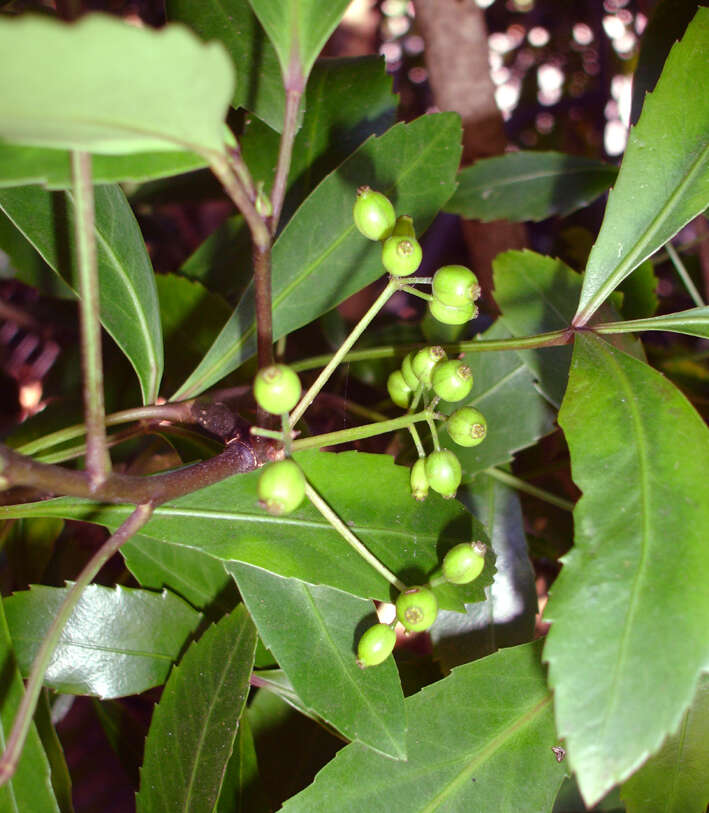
x=452, y=380
x=373, y=214
x=444, y=472
x=467, y=426
x=464, y=563
x=401, y=256
x=375, y=645
x=277, y=389
x=419, y=480
x=455, y=286
x=452, y=316
x=424, y=361
x=399, y=391
x=281, y=487
x=408, y=372
x=404, y=226
x=417, y=608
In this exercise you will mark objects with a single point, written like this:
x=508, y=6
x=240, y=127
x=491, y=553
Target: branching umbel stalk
x=23, y=719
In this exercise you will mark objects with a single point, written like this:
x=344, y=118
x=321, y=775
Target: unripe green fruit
x=408, y=371
x=417, y=608
x=452, y=380
x=419, y=480
x=399, y=391
x=373, y=214
x=452, y=316
x=455, y=286
x=281, y=487
x=424, y=361
x=467, y=426
x=464, y=563
x=404, y=226
x=277, y=389
x=375, y=645
x=444, y=472
x=401, y=256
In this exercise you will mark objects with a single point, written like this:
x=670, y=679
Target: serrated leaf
x=629, y=609
x=414, y=164
x=186, y=754
x=675, y=780
x=529, y=185
x=298, y=30
x=507, y=616
x=664, y=178
x=128, y=297
x=168, y=90
x=226, y=522
x=479, y=739
x=52, y=168
x=692, y=322
x=241, y=790
x=312, y=631
x=503, y=386
x=30, y=786
x=259, y=87
x=117, y=642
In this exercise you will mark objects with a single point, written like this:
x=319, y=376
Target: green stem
x=417, y=440
x=357, y=331
x=98, y=462
x=420, y=294
x=369, y=430
x=554, y=338
x=23, y=719
x=527, y=488
x=290, y=126
x=350, y=538
x=260, y=235
x=287, y=434
x=434, y=431
x=684, y=275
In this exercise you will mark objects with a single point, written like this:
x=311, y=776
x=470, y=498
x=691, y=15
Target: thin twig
x=528, y=488
x=684, y=275
x=290, y=124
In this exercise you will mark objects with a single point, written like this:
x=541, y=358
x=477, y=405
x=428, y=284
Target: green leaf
x=312, y=631
x=30, y=787
x=465, y=734
x=226, y=522
x=506, y=617
x=186, y=754
x=129, y=303
x=259, y=87
x=125, y=732
x=675, y=780
x=241, y=790
x=298, y=30
x=414, y=164
x=117, y=642
x=640, y=299
x=61, y=780
x=168, y=90
x=629, y=609
x=692, y=322
x=503, y=386
x=198, y=578
x=529, y=185
x=52, y=168
x=664, y=179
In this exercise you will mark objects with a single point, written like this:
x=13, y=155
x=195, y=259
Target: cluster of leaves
x=626, y=688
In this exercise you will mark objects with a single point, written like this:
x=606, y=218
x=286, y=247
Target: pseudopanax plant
x=257, y=556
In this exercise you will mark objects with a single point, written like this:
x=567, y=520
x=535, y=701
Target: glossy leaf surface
x=675, y=780
x=506, y=617
x=528, y=185
x=128, y=297
x=629, y=609
x=186, y=754
x=479, y=739
x=259, y=86
x=692, y=322
x=298, y=30
x=226, y=522
x=414, y=164
x=664, y=178
x=168, y=90
x=117, y=642
x=30, y=788
x=313, y=632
